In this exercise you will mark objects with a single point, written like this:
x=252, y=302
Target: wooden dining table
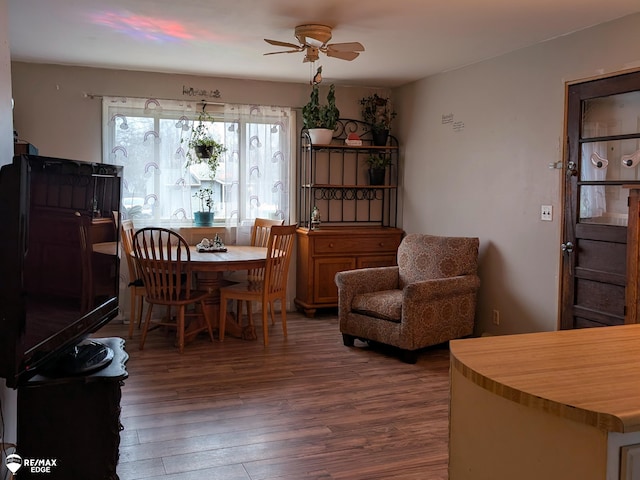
x=105, y=248
x=209, y=268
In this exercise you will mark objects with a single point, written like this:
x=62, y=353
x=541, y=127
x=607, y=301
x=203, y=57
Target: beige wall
x=53, y=113
x=490, y=177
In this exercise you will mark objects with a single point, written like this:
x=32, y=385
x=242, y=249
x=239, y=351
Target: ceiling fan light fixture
x=313, y=34
x=313, y=39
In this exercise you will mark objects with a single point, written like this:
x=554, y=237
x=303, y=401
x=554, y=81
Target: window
x=149, y=138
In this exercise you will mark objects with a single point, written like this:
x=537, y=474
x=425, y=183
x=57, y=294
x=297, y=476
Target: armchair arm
x=434, y=311
x=364, y=280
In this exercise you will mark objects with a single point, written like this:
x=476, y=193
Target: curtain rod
x=93, y=96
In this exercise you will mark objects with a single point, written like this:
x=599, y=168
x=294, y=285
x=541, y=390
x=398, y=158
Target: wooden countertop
x=590, y=375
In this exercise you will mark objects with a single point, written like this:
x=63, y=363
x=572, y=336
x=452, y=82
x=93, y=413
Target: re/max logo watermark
x=34, y=465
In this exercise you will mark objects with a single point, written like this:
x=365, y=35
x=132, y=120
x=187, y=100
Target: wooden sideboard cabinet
x=323, y=252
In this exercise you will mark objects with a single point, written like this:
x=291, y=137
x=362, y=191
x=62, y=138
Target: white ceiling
x=404, y=39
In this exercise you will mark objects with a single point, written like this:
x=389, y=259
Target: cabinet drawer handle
x=381, y=244
x=331, y=245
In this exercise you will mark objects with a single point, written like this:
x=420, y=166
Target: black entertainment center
x=55, y=292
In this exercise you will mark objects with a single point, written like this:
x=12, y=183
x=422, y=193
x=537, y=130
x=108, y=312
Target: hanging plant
x=202, y=148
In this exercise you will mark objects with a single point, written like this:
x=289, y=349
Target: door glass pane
x=603, y=204
x=615, y=115
x=616, y=160
x=609, y=159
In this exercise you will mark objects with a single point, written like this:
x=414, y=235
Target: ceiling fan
x=313, y=39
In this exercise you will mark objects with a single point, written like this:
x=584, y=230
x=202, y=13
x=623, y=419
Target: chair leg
x=273, y=315
x=223, y=317
x=409, y=356
x=140, y=305
x=145, y=327
x=132, y=317
x=180, y=326
x=348, y=340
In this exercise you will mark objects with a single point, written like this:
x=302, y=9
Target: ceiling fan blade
x=346, y=47
x=283, y=44
x=342, y=55
x=282, y=51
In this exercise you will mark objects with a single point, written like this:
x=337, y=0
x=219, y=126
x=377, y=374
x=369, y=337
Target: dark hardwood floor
x=303, y=408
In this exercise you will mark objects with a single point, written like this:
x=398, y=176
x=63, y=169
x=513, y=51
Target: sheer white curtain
x=260, y=161
x=593, y=202
x=148, y=137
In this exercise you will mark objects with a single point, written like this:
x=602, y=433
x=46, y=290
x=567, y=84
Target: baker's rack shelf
x=333, y=177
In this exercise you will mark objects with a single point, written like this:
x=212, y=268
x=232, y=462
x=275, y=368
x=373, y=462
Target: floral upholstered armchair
x=427, y=299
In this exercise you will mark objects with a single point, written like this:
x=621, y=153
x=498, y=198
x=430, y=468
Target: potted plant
x=321, y=120
x=377, y=168
x=203, y=149
x=378, y=112
x=204, y=217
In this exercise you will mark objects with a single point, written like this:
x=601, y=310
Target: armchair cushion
x=386, y=304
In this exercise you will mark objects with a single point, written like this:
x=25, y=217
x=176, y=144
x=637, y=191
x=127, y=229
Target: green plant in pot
x=321, y=117
x=204, y=217
x=378, y=112
x=203, y=149
x=377, y=168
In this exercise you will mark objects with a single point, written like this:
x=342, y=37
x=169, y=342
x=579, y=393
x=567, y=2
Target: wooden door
x=603, y=142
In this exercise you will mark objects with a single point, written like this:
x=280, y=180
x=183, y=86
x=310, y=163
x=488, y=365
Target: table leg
x=211, y=282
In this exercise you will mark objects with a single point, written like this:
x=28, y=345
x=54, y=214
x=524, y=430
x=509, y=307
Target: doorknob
x=567, y=247
x=572, y=169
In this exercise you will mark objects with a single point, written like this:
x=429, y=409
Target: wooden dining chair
x=261, y=229
x=259, y=238
x=164, y=263
x=136, y=285
x=271, y=287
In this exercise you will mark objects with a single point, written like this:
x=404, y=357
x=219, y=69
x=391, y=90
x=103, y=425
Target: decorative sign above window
x=199, y=92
